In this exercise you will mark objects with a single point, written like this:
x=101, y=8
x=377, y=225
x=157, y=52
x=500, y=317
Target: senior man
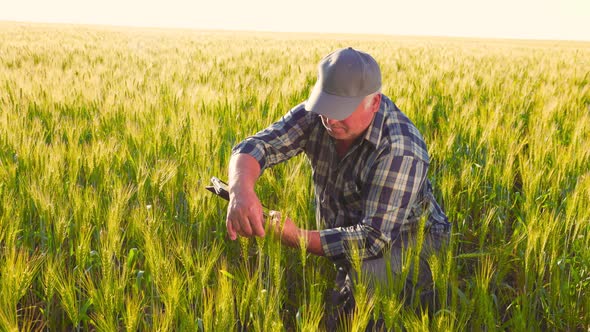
x=369, y=171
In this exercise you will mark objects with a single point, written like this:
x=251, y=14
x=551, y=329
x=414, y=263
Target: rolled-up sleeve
x=279, y=142
x=391, y=188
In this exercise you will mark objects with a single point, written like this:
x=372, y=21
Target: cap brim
x=331, y=106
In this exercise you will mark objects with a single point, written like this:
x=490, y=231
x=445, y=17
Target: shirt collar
x=374, y=131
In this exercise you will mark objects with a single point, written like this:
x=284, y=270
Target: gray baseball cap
x=345, y=77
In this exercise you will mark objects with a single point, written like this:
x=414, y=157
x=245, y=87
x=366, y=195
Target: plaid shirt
x=377, y=190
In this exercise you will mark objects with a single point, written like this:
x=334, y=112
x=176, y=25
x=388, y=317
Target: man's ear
x=376, y=102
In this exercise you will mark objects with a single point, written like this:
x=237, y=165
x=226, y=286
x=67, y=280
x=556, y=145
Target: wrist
x=240, y=188
x=294, y=238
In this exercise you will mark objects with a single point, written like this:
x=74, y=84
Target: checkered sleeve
x=392, y=188
x=280, y=141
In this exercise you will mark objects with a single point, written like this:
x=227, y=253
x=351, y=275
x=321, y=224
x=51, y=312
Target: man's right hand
x=244, y=214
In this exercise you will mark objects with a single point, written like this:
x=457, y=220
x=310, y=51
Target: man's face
x=355, y=125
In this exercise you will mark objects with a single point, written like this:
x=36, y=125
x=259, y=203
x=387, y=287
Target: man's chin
x=338, y=133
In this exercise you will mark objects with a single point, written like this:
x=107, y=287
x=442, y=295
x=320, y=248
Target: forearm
x=314, y=245
x=244, y=170
x=296, y=237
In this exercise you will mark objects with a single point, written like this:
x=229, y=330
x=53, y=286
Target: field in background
x=109, y=135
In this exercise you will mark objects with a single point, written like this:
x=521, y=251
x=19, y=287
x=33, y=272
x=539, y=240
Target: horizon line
x=324, y=33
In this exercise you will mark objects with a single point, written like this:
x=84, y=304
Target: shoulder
x=400, y=135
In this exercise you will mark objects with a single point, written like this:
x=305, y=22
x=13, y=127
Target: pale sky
x=528, y=19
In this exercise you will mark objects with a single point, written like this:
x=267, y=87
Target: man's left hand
x=285, y=229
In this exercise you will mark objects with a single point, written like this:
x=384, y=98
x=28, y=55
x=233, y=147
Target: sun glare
x=526, y=19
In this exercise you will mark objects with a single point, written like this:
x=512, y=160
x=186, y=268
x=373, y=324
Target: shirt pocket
x=350, y=199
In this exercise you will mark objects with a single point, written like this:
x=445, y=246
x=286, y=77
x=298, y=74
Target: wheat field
x=109, y=135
